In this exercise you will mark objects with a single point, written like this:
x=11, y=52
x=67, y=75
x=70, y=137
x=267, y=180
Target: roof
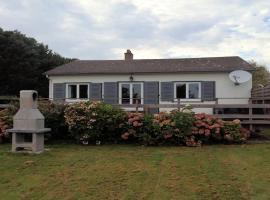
x=210, y=64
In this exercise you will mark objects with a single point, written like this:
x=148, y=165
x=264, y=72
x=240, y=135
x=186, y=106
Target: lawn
x=133, y=172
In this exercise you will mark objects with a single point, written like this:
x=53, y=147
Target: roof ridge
x=213, y=57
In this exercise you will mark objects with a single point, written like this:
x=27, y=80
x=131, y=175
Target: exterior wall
x=226, y=91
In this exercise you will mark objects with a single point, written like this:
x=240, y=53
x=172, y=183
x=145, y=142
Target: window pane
x=125, y=93
x=137, y=89
x=72, y=91
x=181, y=91
x=193, y=90
x=83, y=92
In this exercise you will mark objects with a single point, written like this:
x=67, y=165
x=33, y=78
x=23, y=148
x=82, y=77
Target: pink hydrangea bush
x=161, y=128
x=132, y=126
x=180, y=127
x=147, y=129
x=207, y=127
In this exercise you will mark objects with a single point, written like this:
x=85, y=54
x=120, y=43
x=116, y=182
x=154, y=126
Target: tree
x=22, y=63
x=260, y=75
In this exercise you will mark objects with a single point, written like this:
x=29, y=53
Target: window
x=77, y=91
x=83, y=91
x=72, y=91
x=130, y=93
x=181, y=91
x=187, y=90
x=136, y=93
x=125, y=93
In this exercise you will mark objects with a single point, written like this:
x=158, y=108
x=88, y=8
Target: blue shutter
x=208, y=90
x=111, y=92
x=59, y=91
x=95, y=91
x=167, y=91
x=151, y=94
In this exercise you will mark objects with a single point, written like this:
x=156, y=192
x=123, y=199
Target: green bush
x=233, y=132
x=54, y=119
x=94, y=121
x=183, y=124
x=151, y=132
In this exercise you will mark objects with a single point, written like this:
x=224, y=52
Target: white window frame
x=187, y=90
x=131, y=92
x=77, y=92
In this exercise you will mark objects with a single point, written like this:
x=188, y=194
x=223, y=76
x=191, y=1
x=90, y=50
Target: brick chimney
x=128, y=55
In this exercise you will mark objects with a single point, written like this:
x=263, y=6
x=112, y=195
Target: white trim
x=77, y=92
x=187, y=90
x=131, y=91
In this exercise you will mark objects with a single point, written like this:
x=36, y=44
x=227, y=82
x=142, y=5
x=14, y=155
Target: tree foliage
x=22, y=63
x=260, y=75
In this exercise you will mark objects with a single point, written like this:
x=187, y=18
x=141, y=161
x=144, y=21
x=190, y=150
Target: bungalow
x=150, y=81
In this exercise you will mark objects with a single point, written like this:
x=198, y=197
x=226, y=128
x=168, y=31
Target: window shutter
x=59, y=91
x=95, y=91
x=111, y=92
x=151, y=94
x=167, y=91
x=208, y=90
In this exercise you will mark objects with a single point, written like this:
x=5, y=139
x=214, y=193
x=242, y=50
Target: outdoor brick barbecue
x=28, y=125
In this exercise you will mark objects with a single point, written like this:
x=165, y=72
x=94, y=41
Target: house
x=151, y=81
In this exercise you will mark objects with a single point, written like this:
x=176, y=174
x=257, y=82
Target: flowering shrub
x=233, y=132
x=159, y=128
x=166, y=125
x=133, y=125
x=183, y=122
x=94, y=121
x=6, y=120
x=54, y=119
x=207, y=127
x=148, y=129
x=180, y=127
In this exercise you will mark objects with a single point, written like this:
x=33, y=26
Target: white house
x=150, y=81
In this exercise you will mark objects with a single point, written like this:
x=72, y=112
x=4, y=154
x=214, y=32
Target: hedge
x=97, y=122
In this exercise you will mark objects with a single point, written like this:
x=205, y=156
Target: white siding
x=226, y=91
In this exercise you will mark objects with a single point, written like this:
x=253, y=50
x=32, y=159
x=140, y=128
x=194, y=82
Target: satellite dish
x=239, y=76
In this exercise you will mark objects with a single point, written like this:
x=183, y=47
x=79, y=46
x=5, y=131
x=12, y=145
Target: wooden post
x=146, y=109
x=137, y=108
x=250, y=115
x=215, y=109
x=178, y=104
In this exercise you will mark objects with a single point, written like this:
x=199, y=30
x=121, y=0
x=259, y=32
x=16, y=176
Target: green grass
x=132, y=172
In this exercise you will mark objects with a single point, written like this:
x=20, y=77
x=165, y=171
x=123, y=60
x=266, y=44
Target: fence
x=261, y=92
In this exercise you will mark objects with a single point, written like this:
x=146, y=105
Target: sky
x=104, y=29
